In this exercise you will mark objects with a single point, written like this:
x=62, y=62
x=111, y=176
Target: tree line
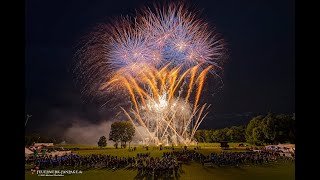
x=232, y=134
x=268, y=129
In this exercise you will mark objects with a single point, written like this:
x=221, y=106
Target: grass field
x=202, y=145
x=283, y=170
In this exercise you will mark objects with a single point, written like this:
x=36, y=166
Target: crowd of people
x=159, y=167
x=164, y=167
x=236, y=159
x=169, y=165
x=86, y=161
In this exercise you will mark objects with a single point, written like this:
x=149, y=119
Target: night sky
x=259, y=75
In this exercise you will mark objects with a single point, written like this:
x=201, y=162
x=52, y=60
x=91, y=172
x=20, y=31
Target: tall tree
x=254, y=123
x=223, y=134
x=203, y=136
x=284, y=125
x=121, y=131
x=240, y=134
x=102, y=141
x=258, y=136
x=215, y=135
x=208, y=136
x=236, y=134
x=115, y=133
x=197, y=135
x=269, y=128
x=128, y=132
x=200, y=135
x=231, y=134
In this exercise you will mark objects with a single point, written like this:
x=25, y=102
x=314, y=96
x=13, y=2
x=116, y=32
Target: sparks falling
x=159, y=60
x=159, y=103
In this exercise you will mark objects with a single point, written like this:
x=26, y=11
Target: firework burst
x=171, y=33
x=161, y=101
x=181, y=37
x=158, y=60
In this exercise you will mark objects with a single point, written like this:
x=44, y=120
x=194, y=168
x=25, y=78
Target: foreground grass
x=283, y=170
x=277, y=170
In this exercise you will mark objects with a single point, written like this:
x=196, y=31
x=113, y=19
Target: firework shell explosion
x=162, y=102
x=160, y=60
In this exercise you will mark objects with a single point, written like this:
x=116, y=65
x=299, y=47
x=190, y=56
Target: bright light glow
x=159, y=61
x=160, y=107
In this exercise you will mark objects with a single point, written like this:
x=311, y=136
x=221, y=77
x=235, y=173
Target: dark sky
x=259, y=75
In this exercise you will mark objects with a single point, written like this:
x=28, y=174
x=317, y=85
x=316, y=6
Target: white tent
x=60, y=153
x=288, y=146
x=27, y=152
x=272, y=147
x=281, y=147
x=42, y=144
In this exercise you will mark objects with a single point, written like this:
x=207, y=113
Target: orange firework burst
x=170, y=34
x=158, y=105
x=159, y=60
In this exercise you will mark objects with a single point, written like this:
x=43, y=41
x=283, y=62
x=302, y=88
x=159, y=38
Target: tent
x=27, y=152
x=59, y=153
x=281, y=147
x=288, y=146
x=272, y=147
x=43, y=144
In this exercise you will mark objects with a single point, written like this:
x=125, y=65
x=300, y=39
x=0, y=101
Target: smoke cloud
x=83, y=132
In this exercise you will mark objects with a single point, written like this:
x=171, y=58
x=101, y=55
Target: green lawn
x=283, y=170
x=153, y=152
x=202, y=145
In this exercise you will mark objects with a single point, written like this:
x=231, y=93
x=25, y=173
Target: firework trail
x=168, y=33
x=181, y=36
x=159, y=61
x=158, y=107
